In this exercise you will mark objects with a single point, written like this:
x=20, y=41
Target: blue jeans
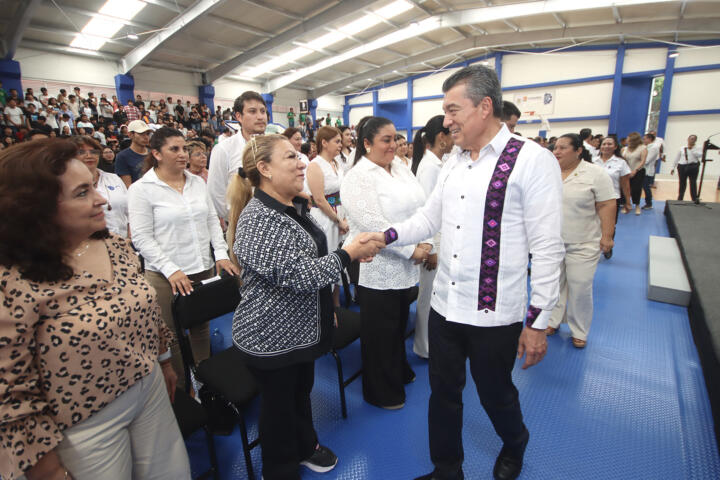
x=647, y=183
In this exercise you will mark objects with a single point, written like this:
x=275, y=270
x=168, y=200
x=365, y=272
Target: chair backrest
x=207, y=301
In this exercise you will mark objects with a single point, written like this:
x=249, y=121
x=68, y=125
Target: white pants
x=575, y=305
x=420, y=343
x=134, y=437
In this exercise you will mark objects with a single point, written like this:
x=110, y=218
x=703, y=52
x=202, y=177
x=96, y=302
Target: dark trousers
x=492, y=352
x=636, y=186
x=647, y=188
x=385, y=369
x=287, y=435
x=688, y=172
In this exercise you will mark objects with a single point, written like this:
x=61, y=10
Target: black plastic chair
x=191, y=417
x=347, y=331
x=224, y=374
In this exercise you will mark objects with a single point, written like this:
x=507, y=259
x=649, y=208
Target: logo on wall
x=536, y=104
x=547, y=98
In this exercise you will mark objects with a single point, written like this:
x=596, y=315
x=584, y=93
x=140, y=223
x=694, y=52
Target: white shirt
x=428, y=171
x=84, y=125
x=113, y=189
x=225, y=160
x=694, y=155
x=174, y=231
x=617, y=168
x=531, y=222
x=50, y=119
x=100, y=138
x=593, y=151
x=586, y=186
x=374, y=200
x=345, y=163
x=14, y=115
x=652, y=157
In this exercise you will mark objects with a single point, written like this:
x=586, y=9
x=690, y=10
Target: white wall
x=642, y=59
x=575, y=100
x=524, y=69
x=695, y=91
x=227, y=90
x=331, y=103
x=431, y=84
x=396, y=92
x=679, y=128
x=69, y=69
x=692, y=56
x=356, y=114
x=561, y=128
x=425, y=110
x=364, y=98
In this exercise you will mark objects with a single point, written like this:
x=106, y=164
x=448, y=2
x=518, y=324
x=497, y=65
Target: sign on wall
x=535, y=104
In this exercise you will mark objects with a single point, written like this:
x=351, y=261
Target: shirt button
x=453, y=283
x=469, y=167
x=486, y=311
x=458, y=227
x=454, y=256
x=462, y=197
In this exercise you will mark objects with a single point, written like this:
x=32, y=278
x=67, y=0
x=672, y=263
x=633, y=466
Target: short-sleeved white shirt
x=616, y=167
x=582, y=189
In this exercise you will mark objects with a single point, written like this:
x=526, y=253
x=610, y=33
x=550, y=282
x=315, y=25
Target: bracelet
x=165, y=356
x=67, y=475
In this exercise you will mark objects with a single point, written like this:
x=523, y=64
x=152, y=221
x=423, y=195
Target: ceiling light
x=674, y=54
x=111, y=17
x=132, y=36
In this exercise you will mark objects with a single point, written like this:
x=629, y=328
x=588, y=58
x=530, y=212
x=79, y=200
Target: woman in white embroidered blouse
x=173, y=225
x=377, y=192
x=431, y=144
x=345, y=157
x=324, y=176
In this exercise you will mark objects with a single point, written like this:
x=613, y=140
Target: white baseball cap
x=138, y=126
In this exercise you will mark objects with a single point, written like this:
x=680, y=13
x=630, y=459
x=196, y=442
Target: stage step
x=667, y=280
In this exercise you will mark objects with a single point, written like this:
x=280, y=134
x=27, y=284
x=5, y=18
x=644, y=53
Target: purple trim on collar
x=494, y=204
x=532, y=314
x=390, y=235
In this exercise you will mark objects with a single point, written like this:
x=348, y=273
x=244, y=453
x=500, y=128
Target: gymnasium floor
x=632, y=405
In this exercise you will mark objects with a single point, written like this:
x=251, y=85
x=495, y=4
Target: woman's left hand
x=170, y=379
x=606, y=244
x=228, y=266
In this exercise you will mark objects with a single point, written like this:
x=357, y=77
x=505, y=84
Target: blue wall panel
x=633, y=107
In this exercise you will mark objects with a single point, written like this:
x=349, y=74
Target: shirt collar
x=300, y=203
x=497, y=144
x=432, y=157
x=151, y=177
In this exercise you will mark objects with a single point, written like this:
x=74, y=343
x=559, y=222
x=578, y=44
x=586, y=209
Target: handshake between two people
x=366, y=245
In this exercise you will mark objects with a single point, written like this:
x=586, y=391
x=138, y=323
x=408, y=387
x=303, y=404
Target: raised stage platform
x=697, y=230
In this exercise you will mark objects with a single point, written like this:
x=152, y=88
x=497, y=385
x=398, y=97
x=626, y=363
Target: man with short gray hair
x=495, y=201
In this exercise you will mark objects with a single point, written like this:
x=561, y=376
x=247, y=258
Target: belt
x=333, y=199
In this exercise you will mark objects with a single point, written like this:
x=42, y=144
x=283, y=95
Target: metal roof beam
x=139, y=53
x=90, y=13
x=616, y=14
x=281, y=11
x=538, y=36
x=334, y=13
x=559, y=19
x=19, y=22
x=238, y=26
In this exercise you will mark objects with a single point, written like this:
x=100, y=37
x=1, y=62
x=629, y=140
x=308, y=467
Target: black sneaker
x=322, y=460
x=647, y=207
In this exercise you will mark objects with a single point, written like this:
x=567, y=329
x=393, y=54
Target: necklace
x=82, y=249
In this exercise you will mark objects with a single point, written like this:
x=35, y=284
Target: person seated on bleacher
x=285, y=318
x=84, y=373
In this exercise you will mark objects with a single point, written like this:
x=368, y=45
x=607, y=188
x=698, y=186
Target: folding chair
x=347, y=331
x=224, y=374
x=191, y=417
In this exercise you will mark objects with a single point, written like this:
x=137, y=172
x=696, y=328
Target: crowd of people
x=86, y=349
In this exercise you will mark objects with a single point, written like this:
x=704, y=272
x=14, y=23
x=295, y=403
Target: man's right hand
x=180, y=283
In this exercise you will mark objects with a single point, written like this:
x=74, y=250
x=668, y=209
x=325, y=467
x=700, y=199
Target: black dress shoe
x=425, y=477
x=509, y=462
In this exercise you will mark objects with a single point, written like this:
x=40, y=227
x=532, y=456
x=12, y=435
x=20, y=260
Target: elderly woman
x=174, y=225
x=285, y=318
x=377, y=192
x=197, y=159
x=110, y=186
x=588, y=227
x=84, y=369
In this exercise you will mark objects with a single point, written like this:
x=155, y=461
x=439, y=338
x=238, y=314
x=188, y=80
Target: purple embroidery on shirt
x=494, y=204
x=532, y=315
x=390, y=236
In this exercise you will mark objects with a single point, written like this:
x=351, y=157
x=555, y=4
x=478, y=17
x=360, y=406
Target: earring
x=442, y=145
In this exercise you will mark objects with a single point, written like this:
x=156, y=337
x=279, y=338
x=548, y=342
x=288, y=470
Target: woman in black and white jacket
x=285, y=318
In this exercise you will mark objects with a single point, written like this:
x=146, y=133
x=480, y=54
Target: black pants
x=685, y=172
x=287, y=435
x=492, y=352
x=636, y=186
x=385, y=369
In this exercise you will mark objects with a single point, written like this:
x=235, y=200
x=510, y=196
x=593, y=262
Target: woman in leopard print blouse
x=82, y=391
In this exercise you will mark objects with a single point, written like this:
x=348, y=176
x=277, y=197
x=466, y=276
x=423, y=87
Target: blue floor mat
x=631, y=405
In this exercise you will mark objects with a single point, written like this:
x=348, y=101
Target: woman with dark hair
x=617, y=168
x=635, y=154
x=324, y=176
x=110, y=186
x=402, y=149
x=107, y=160
x=173, y=225
x=345, y=157
x=84, y=362
x=588, y=227
x=377, y=192
x=285, y=318
x=431, y=144
x=295, y=136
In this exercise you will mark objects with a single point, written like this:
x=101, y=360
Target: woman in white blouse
x=402, y=150
x=293, y=134
x=324, y=176
x=173, y=225
x=377, y=192
x=619, y=173
x=345, y=157
x=431, y=144
x=110, y=186
x=635, y=154
x=588, y=227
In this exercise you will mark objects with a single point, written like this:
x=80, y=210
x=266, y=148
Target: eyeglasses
x=93, y=153
x=199, y=153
